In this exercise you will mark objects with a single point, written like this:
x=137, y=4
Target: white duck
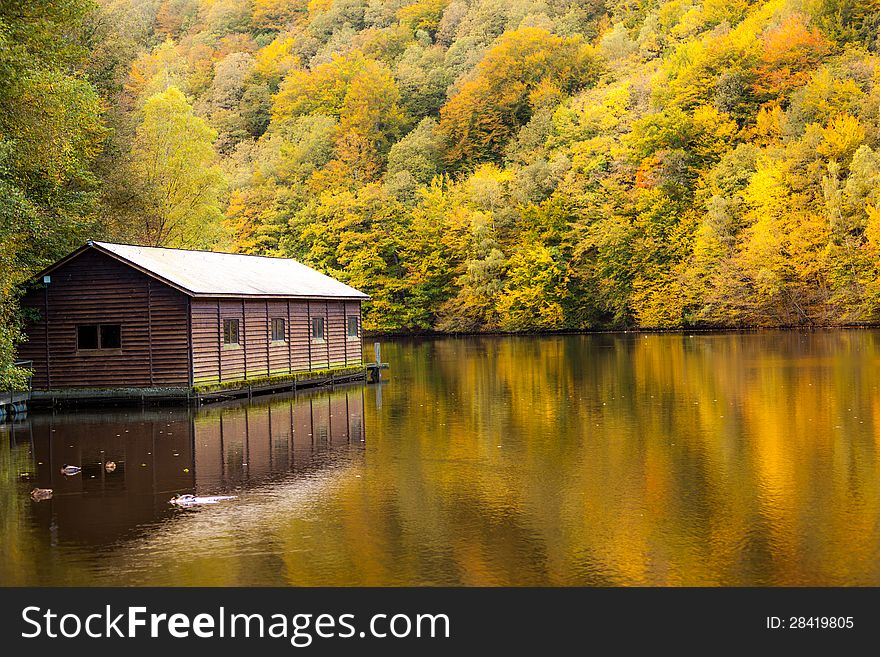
x=193, y=500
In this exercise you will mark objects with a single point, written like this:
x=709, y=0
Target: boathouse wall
x=97, y=289
x=257, y=353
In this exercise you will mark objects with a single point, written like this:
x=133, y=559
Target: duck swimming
x=40, y=494
x=70, y=470
x=193, y=500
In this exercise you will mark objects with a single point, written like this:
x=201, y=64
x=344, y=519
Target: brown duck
x=40, y=494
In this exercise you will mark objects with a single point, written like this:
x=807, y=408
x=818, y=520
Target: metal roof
x=208, y=274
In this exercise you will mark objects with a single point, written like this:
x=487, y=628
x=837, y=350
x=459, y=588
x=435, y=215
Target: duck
x=188, y=500
x=70, y=470
x=40, y=494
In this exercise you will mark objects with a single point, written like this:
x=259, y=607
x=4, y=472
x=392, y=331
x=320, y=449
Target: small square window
x=111, y=336
x=87, y=337
x=352, y=326
x=278, y=334
x=230, y=331
x=317, y=328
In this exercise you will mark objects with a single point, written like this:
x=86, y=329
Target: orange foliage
x=276, y=14
x=496, y=101
x=790, y=55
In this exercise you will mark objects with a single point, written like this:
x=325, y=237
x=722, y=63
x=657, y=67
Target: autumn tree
x=360, y=92
x=473, y=165
x=524, y=70
x=790, y=53
x=174, y=162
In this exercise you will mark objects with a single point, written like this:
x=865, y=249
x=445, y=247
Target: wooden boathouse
x=119, y=321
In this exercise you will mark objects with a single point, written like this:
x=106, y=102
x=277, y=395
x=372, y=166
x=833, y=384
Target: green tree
x=535, y=290
x=414, y=160
x=51, y=131
x=479, y=288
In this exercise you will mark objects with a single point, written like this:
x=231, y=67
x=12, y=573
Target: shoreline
x=619, y=331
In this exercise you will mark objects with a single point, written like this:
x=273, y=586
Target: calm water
x=729, y=459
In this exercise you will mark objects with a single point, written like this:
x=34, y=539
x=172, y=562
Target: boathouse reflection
x=134, y=461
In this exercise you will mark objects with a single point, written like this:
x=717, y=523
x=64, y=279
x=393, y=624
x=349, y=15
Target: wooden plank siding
x=278, y=350
x=336, y=334
x=257, y=355
x=207, y=340
x=354, y=351
x=169, y=338
x=299, y=332
x=97, y=289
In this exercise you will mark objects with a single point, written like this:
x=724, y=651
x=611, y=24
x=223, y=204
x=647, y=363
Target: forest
x=473, y=165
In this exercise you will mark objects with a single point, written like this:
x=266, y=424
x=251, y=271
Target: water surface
x=629, y=459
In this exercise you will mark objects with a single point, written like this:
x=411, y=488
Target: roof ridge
x=168, y=248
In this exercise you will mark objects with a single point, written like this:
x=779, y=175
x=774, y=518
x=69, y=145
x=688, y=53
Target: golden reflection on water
x=720, y=459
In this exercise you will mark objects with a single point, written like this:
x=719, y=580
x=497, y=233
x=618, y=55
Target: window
x=87, y=337
x=278, y=334
x=230, y=331
x=317, y=328
x=111, y=336
x=98, y=336
x=352, y=326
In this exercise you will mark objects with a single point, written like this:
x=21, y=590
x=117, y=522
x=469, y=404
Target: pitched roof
x=208, y=274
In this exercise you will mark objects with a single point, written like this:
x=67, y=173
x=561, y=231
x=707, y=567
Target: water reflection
x=734, y=459
x=132, y=462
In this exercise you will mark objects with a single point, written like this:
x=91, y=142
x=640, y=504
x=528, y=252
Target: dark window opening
x=98, y=336
x=87, y=337
x=230, y=331
x=111, y=336
x=278, y=330
x=317, y=328
x=352, y=326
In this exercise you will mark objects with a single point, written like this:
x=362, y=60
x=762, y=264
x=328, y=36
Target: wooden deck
x=195, y=395
x=15, y=402
x=14, y=397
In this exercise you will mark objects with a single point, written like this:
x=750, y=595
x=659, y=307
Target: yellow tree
x=174, y=161
x=360, y=91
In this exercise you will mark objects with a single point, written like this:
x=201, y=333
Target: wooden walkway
x=16, y=402
x=13, y=403
x=14, y=397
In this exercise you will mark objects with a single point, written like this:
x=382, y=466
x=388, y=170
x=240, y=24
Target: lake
x=596, y=460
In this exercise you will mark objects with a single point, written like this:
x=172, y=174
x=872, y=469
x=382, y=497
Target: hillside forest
x=473, y=165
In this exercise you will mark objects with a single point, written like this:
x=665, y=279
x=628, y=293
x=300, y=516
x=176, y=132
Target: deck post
x=48, y=350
